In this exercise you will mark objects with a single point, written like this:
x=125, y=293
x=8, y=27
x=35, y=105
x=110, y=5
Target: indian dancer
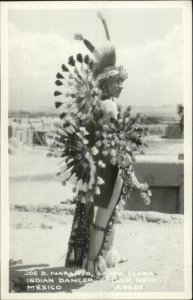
x=97, y=139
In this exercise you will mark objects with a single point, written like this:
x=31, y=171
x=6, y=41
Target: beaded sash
x=80, y=234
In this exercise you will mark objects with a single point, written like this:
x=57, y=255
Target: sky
x=148, y=41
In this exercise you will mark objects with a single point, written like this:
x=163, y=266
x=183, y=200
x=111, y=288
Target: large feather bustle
x=106, y=58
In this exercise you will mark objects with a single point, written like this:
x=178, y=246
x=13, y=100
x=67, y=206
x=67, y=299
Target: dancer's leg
x=102, y=218
x=111, y=255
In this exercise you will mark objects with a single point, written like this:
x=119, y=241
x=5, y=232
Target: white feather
x=108, y=106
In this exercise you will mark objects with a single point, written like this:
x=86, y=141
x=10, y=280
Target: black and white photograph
x=96, y=150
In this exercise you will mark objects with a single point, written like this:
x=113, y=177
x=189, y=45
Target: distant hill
x=165, y=112
x=30, y=114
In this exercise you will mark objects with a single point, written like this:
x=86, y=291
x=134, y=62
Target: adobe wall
x=174, y=132
x=166, y=181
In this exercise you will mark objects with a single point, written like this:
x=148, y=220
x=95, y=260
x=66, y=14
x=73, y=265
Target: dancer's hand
x=123, y=161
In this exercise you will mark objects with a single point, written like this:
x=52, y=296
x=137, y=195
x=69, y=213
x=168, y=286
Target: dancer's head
x=111, y=87
x=108, y=76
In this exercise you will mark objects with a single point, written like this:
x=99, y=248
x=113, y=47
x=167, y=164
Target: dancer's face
x=114, y=87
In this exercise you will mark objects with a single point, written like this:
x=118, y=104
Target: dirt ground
x=40, y=241
x=39, y=237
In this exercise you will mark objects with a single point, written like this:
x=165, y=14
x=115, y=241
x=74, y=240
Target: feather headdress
x=80, y=79
x=104, y=58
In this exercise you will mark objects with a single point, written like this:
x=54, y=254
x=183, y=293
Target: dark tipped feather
x=58, y=104
x=63, y=115
x=59, y=76
x=79, y=58
x=58, y=82
x=71, y=61
x=86, y=59
x=64, y=68
x=57, y=93
x=90, y=47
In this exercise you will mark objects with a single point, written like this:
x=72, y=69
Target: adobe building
x=28, y=133
x=165, y=177
x=174, y=132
